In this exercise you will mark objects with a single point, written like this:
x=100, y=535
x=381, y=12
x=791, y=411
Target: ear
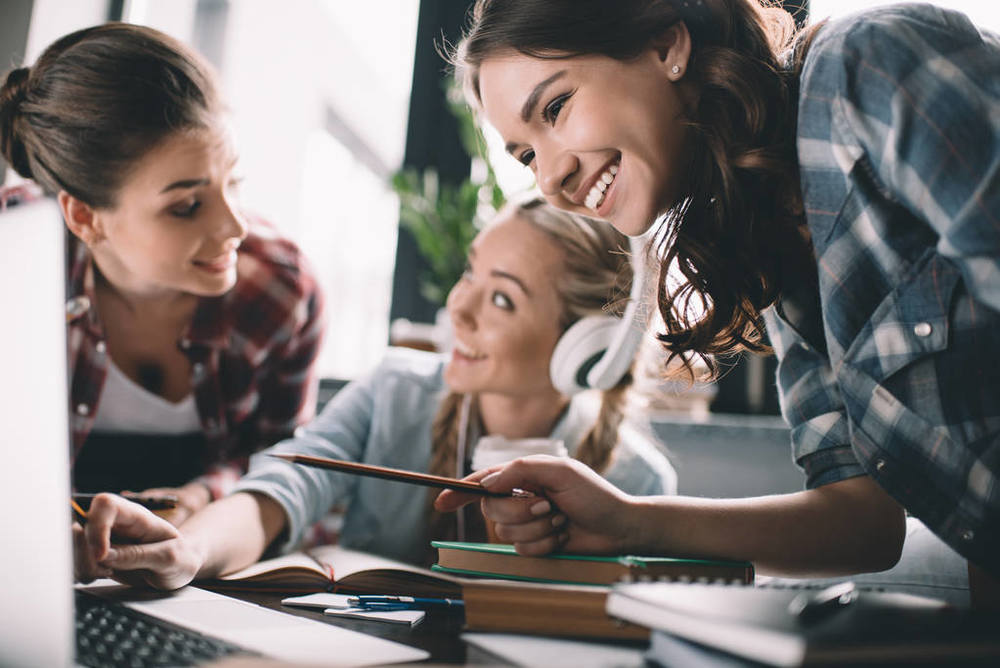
x=81, y=218
x=673, y=48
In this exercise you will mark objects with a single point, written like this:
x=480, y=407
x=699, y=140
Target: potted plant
x=444, y=218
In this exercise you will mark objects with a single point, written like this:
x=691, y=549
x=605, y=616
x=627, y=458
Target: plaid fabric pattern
x=893, y=368
x=251, y=350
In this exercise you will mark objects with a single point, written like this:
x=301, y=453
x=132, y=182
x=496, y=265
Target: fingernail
x=540, y=508
x=110, y=556
x=558, y=520
x=488, y=480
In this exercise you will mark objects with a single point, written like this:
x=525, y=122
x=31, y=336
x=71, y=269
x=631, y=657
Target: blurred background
x=353, y=144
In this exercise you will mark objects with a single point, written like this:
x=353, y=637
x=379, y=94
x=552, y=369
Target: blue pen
x=402, y=602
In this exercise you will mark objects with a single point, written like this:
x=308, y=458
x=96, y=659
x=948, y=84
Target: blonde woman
x=531, y=274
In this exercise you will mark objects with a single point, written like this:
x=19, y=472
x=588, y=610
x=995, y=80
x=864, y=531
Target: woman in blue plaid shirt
x=841, y=185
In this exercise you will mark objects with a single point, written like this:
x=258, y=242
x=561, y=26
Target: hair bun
x=12, y=94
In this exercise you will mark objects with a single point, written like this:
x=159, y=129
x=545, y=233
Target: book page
x=294, y=560
x=346, y=562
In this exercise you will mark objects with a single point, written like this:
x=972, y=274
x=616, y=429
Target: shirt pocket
x=912, y=321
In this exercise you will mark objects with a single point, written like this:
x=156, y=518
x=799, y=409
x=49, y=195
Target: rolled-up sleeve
x=812, y=405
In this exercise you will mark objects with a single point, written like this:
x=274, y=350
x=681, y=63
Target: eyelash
x=551, y=111
x=507, y=305
x=549, y=115
x=233, y=184
x=187, y=212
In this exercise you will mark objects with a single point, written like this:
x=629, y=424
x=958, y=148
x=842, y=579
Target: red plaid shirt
x=251, y=350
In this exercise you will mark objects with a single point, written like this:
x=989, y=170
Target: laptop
x=37, y=618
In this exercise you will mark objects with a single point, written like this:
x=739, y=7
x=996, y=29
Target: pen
x=78, y=512
x=810, y=608
x=403, y=602
x=165, y=502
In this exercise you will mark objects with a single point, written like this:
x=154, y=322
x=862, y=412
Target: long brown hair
x=595, y=278
x=96, y=101
x=736, y=234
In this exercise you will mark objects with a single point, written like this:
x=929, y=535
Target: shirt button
x=879, y=465
x=77, y=306
x=968, y=535
x=101, y=347
x=184, y=343
x=922, y=329
x=198, y=370
x=83, y=409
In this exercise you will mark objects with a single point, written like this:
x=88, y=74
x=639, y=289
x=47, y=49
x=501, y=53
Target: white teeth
x=466, y=351
x=595, y=197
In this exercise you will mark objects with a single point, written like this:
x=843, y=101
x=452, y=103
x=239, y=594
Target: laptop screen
x=36, y=571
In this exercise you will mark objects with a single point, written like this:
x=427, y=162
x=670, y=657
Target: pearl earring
x=676, y=69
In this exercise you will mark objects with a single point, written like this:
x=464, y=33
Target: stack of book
x=561, y=594
x=794, y=627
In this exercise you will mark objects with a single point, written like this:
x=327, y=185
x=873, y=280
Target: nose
x=461, y=305
x=232, y=223
x=555, y=172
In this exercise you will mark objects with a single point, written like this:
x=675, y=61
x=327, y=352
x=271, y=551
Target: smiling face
x=604, y=137
x=505, y=312
x=176, y=225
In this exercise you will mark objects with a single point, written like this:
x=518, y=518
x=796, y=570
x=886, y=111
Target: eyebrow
x=511, y=277
x=536, y=94
x=191, y=183
x=529, y=104
x=185, y=183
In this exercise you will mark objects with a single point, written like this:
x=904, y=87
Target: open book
x=336, y=568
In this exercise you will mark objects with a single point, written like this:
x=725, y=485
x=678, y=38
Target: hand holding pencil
x=575, y=510
x=120, y=531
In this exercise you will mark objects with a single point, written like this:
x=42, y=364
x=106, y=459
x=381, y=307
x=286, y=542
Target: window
x=319, y=91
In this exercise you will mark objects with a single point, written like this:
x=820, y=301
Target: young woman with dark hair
x=191, y=325
x=840, y=185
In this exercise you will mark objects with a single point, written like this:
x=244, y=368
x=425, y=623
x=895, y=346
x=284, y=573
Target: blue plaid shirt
x=893, y=368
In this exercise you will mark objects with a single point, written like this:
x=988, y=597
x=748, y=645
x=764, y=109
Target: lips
x=218, y=263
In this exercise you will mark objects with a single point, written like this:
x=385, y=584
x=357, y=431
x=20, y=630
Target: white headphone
x=596, y=351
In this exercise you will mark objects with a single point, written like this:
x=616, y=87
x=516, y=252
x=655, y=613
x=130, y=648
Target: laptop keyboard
x=111, y=634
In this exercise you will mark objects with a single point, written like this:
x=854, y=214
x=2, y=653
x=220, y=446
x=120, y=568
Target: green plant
x=444, y=218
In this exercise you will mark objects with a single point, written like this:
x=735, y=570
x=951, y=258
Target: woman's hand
x=191, y=498
x=129, y=543
x=575, y=509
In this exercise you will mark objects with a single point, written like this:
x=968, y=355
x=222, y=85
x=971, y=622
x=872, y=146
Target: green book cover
x=461, y=572
x=626, y=560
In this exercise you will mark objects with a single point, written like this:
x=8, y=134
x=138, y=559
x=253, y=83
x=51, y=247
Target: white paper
x=410, y=617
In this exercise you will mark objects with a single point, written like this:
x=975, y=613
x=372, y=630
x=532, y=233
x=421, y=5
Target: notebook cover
x=756, y=623
x=630, y=561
